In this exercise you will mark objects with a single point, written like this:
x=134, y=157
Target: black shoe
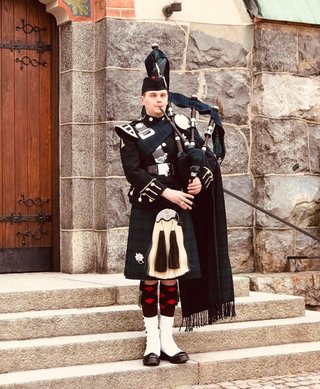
x=180, y=357
x=151, y=359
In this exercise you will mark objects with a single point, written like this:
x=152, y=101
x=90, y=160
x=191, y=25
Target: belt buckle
x=163, y=169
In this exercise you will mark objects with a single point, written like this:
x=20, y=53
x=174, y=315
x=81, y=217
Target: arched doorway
x=28, y=138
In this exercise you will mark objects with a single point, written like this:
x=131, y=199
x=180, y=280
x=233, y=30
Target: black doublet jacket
x=146, y=188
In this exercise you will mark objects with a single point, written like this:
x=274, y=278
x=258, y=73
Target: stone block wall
x=270, y=111
x=77, y=130
x=285, y=127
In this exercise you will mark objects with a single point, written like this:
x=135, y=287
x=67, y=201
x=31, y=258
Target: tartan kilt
x=139, y=244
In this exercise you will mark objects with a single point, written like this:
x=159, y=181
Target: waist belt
x=160, y=169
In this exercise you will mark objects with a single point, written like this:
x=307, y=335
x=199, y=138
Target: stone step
x=305, y=284
x=258, y=362
x=124, y=318
x=114, y=347
x=46, y=291
x=202, y=369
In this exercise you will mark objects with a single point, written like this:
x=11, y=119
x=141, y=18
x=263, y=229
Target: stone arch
x=54, y=7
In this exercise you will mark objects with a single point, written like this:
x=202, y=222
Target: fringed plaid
x=211, y=298
x=210, y=316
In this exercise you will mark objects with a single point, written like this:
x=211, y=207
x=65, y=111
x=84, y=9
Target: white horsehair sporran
x=168, y=257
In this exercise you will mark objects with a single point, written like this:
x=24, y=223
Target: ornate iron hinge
x=39, y=46
x=29, y=28
x=29, y=202
x=18, y=218
x=35, y=235
x=41, y=218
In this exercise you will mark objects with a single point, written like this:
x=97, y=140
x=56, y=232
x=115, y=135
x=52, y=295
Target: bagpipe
x=157, y=66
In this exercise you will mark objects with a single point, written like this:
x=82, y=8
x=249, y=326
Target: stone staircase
x=86, y=331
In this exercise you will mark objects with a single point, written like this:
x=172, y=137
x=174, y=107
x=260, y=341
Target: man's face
x=153, y=101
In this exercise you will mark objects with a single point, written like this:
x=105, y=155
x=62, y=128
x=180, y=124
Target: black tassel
x=161, y=256
x=174, y=251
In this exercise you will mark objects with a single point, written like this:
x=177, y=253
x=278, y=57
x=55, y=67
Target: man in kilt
x=168, y=212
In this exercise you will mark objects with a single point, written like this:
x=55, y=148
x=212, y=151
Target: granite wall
x=265, y=78
x=285, y=127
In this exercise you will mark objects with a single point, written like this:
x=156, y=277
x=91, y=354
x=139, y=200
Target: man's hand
x=184, y=200
x=195, y=186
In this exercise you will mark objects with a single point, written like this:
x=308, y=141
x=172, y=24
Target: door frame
x=55, y=89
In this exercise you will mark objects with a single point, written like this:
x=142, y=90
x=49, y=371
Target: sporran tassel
x=161, y=256
x=167, y=242
x=174, y=262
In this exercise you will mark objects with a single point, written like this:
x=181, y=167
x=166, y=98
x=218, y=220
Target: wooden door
x=26, y=136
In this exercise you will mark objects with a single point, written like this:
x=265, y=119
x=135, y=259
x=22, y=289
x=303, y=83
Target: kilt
x=139, y=244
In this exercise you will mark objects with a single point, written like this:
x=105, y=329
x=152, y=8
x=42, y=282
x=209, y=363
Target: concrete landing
x=43, y=291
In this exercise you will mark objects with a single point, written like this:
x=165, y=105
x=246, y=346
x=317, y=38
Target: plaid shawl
x=209, y=298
